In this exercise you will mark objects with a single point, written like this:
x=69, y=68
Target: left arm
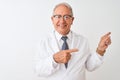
x=96, y=59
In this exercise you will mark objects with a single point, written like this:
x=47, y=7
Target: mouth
x=62, y=26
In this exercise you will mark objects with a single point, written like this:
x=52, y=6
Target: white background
x=24, y=22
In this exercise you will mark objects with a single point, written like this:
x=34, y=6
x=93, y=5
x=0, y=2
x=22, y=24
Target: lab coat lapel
x=54, y=44
x=74, y=41
x=74, y=44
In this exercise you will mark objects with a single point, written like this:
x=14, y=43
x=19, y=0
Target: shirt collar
x=58, y=36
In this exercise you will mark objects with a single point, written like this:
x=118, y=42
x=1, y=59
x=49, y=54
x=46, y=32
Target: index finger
x=71, y=50
x=107, y=34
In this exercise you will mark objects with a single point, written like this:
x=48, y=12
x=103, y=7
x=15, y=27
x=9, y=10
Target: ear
x=51, y=18
x=72, y=20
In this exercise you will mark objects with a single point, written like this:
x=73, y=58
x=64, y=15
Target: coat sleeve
x=44, y=62
x=94, y=60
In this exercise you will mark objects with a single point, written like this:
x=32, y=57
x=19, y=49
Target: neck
x=64, y=34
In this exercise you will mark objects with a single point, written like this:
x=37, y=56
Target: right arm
x=44, y=62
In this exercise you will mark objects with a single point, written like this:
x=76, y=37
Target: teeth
x=62, y=25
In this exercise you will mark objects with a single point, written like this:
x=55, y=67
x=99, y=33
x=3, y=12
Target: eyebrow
x=62, y=15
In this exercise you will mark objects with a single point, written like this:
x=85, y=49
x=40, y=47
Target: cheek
x=69, y=23
x=55, y=22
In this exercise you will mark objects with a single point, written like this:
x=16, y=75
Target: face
x=62, y=19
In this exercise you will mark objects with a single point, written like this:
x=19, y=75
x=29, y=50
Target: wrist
x=55, y=59
x=101, y=52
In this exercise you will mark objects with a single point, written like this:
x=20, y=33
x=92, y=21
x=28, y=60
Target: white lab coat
x=46, y=67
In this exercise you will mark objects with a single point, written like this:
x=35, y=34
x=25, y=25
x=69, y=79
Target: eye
x=57, y=16
x=67, y=17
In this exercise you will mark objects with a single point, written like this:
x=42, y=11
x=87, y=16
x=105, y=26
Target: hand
x=103, y=44
x=63, y=56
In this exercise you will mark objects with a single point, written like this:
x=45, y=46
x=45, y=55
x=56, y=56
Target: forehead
x=62, y=9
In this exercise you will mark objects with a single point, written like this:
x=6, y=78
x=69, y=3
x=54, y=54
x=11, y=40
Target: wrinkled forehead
x=62, y=9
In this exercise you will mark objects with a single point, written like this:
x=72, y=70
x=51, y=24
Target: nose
x=62, y=20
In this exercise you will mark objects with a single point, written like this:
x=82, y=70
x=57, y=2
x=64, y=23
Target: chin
x=64, y=32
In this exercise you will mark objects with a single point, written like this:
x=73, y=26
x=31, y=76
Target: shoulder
x=79, y=36
x=47, y=37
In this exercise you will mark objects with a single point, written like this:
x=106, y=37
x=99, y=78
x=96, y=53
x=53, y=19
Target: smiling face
x=62, y=19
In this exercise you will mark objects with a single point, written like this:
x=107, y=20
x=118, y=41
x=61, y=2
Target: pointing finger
x=71, y=50
x=107, y=34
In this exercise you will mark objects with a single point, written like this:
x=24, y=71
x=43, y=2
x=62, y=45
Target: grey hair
x=66, y=5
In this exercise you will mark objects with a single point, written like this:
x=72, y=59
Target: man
x=65, y=55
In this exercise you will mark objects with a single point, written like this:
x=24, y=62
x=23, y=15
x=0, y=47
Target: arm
x=96, y=59
x=44, y=62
